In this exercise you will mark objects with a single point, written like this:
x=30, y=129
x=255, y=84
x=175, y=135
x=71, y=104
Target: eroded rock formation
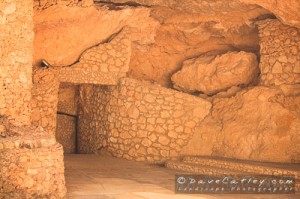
x=211, y=75
x=202, y=47
x=211, y=47
x=163, y=37
x=260, y=123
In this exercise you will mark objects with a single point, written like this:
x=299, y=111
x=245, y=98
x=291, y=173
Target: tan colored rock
x=259, y=124
x=163, y=36
x=287, y=11
x=164, y=140
x=61, y=32
x=2, y=128
x=133, y=112
x=211, y=76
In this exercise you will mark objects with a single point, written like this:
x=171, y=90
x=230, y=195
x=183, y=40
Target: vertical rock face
x=66, y=118
x=257, y=124
x=211, y=75
x=15, y=60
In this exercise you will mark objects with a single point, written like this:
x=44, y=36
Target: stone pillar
x=280, y=53
x=16, y=39
x=31, y=160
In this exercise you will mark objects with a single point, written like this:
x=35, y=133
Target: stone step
x=196, y=168
x=243, y=166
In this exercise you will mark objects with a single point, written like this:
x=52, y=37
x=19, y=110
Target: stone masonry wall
x=102, y=64
x=142, y=121
x=44, y=100
x=31, y=165
x=66, y=117
x=280, y=53
x=16, y=39
x=93, y=125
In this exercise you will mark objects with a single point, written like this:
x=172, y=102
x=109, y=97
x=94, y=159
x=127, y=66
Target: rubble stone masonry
x=138, y=120
x=31, y=160
x=280, y=53
x=16, y=38
x=31, y=165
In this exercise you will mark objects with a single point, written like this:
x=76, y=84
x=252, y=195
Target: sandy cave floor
x=97, y=177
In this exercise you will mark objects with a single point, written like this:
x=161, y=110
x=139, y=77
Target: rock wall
x=287, y=11
x=44, y=100
x=162, y=37
x=93, y=123
x=101, y=64
x=280, y=53
x=67, y=116
x=138, y=120
x=259, y=123
x=44, y=4
x=66, y=133
x=31, y=165
x=15, y=60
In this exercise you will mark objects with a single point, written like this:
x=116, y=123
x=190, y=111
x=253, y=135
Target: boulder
x=211, y=75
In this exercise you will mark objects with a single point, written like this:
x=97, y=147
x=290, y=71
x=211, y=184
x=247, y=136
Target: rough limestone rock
x=286, y=10
x=260, y=124
x=211, y=75
x=162, y=37
x=62, y=33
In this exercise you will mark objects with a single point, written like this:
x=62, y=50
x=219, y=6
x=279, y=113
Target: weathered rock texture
x=102, y=64
x=15, y=60
x=137, y=120
x=43, y=4
x=63, y=33
x=211, y=75
x=162, y=37
x=44, y=100
x=260, y=123
x=31, y=165
x=280, y=53
x=65, y=133
x=67, y=116
x=31, y=161
x=287, y=11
